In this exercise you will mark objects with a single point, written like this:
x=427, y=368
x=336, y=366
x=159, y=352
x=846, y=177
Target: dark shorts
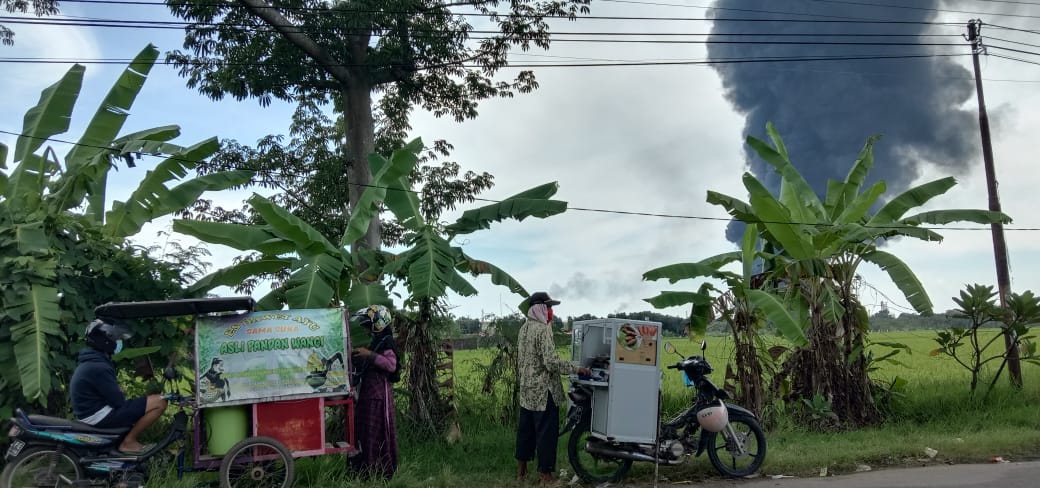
x=125, y=416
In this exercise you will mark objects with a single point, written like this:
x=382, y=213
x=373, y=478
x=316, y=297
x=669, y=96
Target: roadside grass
x=935, y=412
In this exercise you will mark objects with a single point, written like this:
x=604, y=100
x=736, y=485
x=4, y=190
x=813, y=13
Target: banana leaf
x=774, y=217
x=684, y=271
x=795, y=193
x=400, y=199
x=429, y=264
x=943, y=217
x=238, y=236
x=667, y=299
x=313, y=285
x=856, y=210
x=914, y=197
x=776, y=312
x=110, y=116
x=477, y=267
x=236, y=274
x=40, y=320
x=904, y=279
x=362, y=295
x=857, y=174
x=51, y=115
x=284, y=224
x=510, y=208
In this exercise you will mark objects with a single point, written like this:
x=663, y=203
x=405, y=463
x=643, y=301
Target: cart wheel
x=257, y=462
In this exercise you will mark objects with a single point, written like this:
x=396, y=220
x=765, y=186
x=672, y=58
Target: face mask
x=548, y=315
x=119, y=346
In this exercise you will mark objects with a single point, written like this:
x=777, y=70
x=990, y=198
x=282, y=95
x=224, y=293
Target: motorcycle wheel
x=590, y=467
x=723, y=451
x=257, y=462
x=32, y=469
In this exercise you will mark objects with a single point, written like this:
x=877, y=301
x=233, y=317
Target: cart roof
x=169, y=308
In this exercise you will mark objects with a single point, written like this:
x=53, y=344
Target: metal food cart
x=624, y=357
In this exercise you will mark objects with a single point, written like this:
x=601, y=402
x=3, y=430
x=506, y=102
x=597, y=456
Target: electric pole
x=999, y=244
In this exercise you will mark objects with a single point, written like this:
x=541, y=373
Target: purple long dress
x=374, y=429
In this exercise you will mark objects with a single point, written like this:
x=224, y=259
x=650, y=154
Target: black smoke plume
x=825, y=110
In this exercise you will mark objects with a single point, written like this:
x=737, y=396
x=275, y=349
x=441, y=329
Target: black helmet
x=102, y=335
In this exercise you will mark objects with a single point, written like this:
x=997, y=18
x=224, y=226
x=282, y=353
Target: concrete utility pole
x=999, y=244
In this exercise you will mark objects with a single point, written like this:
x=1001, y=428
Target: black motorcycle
x=53, y=452
x=729, y=433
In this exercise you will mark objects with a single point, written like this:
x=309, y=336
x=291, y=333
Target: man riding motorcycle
x=96, y=397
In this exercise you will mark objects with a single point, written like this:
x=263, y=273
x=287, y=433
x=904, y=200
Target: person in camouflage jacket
x=541, y=391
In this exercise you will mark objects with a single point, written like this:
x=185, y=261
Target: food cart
x=265, y=383
x=624, y=357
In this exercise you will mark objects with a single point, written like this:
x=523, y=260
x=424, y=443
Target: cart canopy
x=171, y=308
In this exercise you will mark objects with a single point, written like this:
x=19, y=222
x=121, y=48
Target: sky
x=650, y=140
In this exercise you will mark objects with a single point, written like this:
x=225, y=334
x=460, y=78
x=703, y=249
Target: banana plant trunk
x=425, y=405
x=748, y=367
x=824, y=368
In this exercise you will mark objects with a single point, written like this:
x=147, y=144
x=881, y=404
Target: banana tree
x=328, y=274
x=743, y=304
x=820, y=245
x=322, y=273
x=47, y=202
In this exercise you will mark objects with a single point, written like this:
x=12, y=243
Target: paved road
x=1005, y=475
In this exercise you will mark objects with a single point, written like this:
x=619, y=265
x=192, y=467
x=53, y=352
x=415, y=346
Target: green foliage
x=970, y=348
x=806, y=289
x=60, y=257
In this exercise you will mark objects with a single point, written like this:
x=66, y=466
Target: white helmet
x=714, y=419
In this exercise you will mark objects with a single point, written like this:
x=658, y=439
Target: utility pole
x=999, y=244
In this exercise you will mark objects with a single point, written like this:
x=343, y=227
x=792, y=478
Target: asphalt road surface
x=999, y=475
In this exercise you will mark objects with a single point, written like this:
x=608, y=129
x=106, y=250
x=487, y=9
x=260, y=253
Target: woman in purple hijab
x=377, y=368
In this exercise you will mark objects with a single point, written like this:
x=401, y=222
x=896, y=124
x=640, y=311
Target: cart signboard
x=263, y=356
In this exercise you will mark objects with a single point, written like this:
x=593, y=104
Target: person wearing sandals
x=96, y=397
x=541, y=391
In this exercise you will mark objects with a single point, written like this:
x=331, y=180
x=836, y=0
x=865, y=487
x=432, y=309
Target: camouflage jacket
x=540, y=366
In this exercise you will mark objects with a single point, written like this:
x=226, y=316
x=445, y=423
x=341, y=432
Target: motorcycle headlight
x=14, y=432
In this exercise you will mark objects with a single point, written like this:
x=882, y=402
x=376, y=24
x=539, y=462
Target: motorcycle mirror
x=704, y=345
x=169, y=373
x=671, y=348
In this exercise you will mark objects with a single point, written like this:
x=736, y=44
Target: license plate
x=15, y=448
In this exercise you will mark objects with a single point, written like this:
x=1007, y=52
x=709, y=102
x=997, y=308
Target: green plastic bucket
x=225, y=426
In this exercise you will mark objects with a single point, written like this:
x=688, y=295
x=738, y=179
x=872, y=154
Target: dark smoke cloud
x=825, y=110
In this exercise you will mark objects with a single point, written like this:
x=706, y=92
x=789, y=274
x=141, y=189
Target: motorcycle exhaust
x=634, y=456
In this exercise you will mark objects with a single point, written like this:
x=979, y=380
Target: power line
x=583, y=209
x=1012, y=58
x=1016, y=29
x=421, y=33
x=1012, y=42
x=772, y=59
x=583, y=17
x=926, y=9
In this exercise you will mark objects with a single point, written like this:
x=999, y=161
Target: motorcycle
x=52, y=451
x=731, y=435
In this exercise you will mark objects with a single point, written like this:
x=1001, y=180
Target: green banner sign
x=263, y=356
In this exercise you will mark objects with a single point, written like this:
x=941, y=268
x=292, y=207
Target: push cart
x=265, y=384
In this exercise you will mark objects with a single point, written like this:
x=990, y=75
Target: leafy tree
x=410, y=52
x=819, y=245
x=328, y=274
x=977, y=305
x=62, y=253
x=39, y=7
